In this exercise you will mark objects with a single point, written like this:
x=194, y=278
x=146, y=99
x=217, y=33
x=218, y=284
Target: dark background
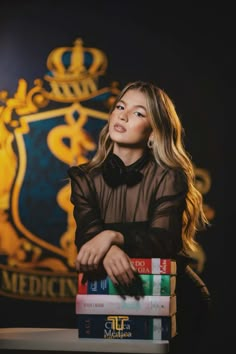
x=187, y=52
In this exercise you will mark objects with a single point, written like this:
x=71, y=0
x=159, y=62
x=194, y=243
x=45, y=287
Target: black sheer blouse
x=143, y=201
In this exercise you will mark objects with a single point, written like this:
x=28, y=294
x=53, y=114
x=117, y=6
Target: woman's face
x=129, y=123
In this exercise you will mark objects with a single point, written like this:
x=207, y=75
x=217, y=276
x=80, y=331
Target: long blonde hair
x=169, y=151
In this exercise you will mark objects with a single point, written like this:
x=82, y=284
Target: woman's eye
x=139, y=114
x=119, y=107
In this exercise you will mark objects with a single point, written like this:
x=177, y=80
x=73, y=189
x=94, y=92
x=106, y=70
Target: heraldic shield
x=43, y=131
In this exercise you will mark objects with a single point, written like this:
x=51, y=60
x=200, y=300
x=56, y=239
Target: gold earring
x=150, y=143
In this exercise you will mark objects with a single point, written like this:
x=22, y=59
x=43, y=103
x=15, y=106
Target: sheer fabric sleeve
x=161, y=237
x=86, y=212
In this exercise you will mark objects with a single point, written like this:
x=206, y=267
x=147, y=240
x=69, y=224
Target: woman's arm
x=93, y=251
x=91, y=239
x=86, y=212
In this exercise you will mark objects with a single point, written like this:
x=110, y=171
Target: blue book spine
x=126, y=327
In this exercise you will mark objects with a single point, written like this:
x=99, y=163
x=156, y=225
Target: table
x=21, y=340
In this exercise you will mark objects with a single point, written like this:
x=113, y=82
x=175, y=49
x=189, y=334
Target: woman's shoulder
x=82, y=180
x=166, y=171
x=81, y=172
x=174, y=178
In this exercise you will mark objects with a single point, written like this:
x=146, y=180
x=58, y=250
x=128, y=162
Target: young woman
x=137, y=198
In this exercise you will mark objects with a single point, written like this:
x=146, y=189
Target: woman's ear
x=151, y=136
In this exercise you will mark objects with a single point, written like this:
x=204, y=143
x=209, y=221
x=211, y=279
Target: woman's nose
x=123, y=116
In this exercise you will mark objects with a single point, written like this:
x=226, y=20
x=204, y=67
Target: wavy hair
x=169, y=151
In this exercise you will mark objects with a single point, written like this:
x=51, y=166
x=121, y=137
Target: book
x=149, y=305
x=155, y=265
x=145, y=284
x=126, y=327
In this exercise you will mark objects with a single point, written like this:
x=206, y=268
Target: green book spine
x=145, y=284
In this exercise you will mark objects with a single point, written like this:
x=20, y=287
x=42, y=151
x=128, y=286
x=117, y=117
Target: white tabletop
x=63, y=339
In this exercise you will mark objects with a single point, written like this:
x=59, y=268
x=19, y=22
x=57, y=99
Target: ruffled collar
x=115, y=173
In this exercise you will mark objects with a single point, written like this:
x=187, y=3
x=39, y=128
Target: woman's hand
x=119, y=267
x=93, y=251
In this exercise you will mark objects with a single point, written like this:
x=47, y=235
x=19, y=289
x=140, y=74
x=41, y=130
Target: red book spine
x=154, y=265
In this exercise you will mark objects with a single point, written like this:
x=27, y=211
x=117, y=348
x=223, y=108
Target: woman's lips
x=119, y=128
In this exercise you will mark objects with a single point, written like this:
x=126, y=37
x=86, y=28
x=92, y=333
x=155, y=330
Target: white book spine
x=152, y=305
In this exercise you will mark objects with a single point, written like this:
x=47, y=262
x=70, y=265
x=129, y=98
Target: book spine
x=126, y=327
x=149, y=305
x=154, y=265
x=146, y=284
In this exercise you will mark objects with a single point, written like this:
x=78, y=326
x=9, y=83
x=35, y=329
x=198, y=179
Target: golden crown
x=74, y=71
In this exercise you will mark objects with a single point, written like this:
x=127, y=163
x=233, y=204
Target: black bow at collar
x=115, y=173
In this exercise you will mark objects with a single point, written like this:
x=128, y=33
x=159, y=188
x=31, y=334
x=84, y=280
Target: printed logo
x=43, y=131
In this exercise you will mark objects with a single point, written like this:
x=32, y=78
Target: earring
x=150, y=143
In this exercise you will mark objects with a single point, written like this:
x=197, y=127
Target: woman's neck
x=128, y=155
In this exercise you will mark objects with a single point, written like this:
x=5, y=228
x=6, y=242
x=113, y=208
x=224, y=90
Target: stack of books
x=146, y=311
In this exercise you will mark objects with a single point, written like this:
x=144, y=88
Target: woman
x=136, y=198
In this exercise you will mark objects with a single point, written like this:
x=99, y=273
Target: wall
x=181, y=53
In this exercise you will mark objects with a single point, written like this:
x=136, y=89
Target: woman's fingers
x=118, y=267
x=86, y=261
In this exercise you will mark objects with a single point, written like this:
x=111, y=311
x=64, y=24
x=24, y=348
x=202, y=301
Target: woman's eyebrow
x=136, y=106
